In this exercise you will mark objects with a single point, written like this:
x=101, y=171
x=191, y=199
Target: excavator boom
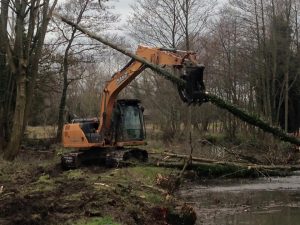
x=121, y=79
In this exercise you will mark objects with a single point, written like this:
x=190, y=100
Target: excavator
x=112, y=138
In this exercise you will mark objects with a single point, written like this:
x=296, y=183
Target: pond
x=265, y=201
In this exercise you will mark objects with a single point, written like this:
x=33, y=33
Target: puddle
x=273, y=201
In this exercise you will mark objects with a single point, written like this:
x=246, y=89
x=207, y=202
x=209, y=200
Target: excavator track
x=108, y=157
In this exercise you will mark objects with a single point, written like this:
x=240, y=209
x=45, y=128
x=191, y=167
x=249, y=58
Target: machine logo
x=122, y=78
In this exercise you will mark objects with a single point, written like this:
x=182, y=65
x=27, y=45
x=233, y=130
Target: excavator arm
x=157, y=56
x=121, y=121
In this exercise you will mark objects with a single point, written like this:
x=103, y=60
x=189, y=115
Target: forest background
x=48, y=69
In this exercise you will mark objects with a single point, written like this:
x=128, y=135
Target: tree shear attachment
x=194, y=89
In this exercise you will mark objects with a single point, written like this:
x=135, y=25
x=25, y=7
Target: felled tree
x=240, y=113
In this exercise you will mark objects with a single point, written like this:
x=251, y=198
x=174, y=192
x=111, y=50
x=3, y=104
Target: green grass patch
x=73, y=197
x=154, y=198
x=45, y=179
x=43, y=184
x=97, y=221
x=146, y=173
x=74, y=174
x=142, y=174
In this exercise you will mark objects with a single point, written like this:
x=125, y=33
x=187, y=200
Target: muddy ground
x=40, y=192
x=35, y=190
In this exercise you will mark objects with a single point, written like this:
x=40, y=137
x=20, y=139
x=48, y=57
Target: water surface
x=263, y=201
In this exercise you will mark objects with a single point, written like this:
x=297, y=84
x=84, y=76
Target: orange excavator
x=111, y=137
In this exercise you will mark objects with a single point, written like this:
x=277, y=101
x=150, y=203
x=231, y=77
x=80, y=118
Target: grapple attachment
x=194, y=90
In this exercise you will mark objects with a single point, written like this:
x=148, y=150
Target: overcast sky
x=122, y=7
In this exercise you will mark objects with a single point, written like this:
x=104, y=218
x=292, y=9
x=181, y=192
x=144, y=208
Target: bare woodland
x=49, y=70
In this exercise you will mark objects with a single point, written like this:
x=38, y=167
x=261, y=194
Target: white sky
x=122, y=7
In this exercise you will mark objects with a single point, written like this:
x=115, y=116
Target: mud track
x=44, y=194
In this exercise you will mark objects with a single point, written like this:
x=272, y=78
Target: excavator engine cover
x=194, y=89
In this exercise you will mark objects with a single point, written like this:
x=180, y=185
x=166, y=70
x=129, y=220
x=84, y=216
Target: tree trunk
x=286, y=101
x=1, y=129
x=287, y=68
x=4, y=71
x=18, y=66
x=62, y=106
x=63, y=99
x=16, y=135
x=22, y=67
x=35, y=57
x=274, y=62
x=3, y=99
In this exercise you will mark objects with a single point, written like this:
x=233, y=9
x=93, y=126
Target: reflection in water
x=246, y=202
x=276, y=216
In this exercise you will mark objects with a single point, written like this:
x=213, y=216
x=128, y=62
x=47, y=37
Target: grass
x=39, y=132
x=44, y=179
x=147, y=174
x=141, y=174
x=134, y=179
x=97, y=221
x=43, y=184
x=74, y=174
x=153, y=198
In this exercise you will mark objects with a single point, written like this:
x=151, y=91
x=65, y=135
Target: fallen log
x=205, y=161
x=240, y=113
x=195, y=159
x=230, y=170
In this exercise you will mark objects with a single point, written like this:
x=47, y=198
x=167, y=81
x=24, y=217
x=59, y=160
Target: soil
x=39, y=192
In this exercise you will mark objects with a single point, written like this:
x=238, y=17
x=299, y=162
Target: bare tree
x=22, y=46
x=170, y=24
x=155, y=23
x=90, y=14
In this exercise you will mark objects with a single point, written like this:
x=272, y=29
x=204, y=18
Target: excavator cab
x=127, y=121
